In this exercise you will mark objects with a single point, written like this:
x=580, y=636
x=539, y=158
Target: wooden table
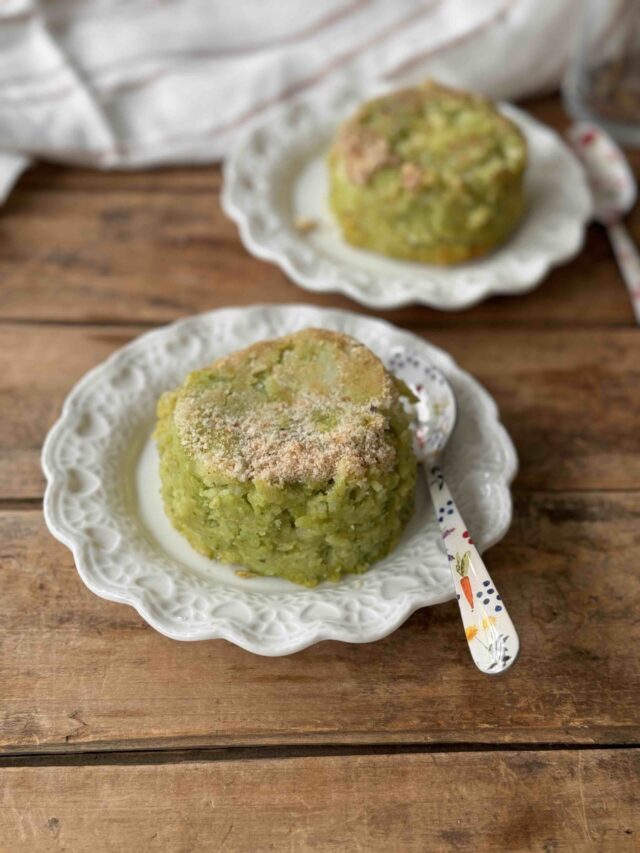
x=115, y=738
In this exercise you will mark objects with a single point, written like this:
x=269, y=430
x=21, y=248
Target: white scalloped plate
x=277, y=174
x=102, y=496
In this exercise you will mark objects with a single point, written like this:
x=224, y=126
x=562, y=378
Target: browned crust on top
x=261, y=449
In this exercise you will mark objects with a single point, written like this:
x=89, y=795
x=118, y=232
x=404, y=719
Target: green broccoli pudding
x=428, y=174
x=292, y=457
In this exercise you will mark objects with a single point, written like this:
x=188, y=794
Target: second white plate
x=277, y=175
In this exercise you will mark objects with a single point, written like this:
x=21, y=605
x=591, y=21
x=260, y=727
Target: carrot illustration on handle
x=462, y=568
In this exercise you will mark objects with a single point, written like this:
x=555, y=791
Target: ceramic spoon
x=614, y=193
x=493, y=641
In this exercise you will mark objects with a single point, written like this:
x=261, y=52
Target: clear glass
x=602, y=83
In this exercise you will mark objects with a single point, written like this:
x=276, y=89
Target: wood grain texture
x=568, y=398
x=85, y=257
x=87, y=247
x=558, y=801
x=79, y=672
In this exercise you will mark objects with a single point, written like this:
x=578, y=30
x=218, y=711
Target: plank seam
x=253, y=753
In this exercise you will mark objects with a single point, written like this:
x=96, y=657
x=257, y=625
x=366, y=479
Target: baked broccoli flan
x=428, y=174
x=292, y=457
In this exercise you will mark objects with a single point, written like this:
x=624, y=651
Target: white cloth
x=135, y=83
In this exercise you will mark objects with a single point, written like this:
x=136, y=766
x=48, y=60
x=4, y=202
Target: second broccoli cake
x=428, y=174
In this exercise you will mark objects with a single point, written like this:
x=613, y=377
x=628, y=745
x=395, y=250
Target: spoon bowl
x=434, y=410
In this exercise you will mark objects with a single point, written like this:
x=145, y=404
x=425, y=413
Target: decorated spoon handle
x=493, y=641
x=628, y=262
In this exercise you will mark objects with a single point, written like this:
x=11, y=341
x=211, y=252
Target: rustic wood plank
x=83, y=246
x=91, y=258
x=54, y=178
x=81, y=673
x=40, y=366
x=558, y=801
x=569, y=399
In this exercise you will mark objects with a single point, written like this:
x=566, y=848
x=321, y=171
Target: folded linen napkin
x=139, y=83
